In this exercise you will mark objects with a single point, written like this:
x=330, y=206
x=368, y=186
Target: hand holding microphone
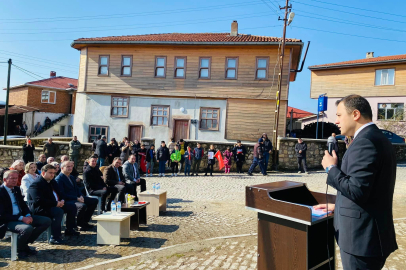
x=330, y=156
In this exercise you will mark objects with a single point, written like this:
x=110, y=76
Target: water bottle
x=153, y=187
x=126, y=199
x=113, y=208
x=158, y=187
x=119, y=207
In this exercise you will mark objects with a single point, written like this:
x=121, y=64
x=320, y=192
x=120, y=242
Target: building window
x=95, y=131
x=209, y=118
x=180, y=67
x=48, y=97
x=160, y=66
x=261, y=72
x=159, y=115
x=231, y=68
x=391, y=111
x=126, y=65
x=119, y=106
x=204, y=67
x=104, y=65
x=385, y=76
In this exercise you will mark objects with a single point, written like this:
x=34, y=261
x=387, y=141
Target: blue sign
x=322, y=104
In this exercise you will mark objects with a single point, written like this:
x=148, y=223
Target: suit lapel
x=6, y=195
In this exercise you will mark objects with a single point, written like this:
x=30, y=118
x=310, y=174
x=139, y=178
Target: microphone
x=330, y=143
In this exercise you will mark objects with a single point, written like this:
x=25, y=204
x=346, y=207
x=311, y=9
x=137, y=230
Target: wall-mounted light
x=182, y=109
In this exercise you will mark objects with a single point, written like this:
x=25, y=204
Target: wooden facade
x=250, y=101
x=340, y=82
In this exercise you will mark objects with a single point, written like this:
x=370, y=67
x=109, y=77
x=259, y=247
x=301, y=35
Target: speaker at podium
x=291, y=234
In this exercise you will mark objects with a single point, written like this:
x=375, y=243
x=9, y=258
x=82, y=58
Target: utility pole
x=7, y=94
x=278, y=93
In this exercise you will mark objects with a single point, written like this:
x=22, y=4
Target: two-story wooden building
x=206, y=86
x=381, y=80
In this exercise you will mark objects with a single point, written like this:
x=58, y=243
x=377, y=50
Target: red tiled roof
x=298, y=113
x=365, y=61
x=16, y=109
x=194, y=37
x=57, y=82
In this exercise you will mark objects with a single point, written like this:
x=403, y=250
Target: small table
x=140, y=214
x=110, y=228
x=157, y=201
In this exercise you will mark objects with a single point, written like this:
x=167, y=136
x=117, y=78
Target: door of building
x=181, y=130
x=135, y=133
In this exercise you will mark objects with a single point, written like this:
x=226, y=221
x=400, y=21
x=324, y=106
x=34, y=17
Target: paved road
x=198, y=208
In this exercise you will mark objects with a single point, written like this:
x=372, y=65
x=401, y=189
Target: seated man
x=93, y=179
x=85, y=206
x=38, y=128
x=42, y=161
x=50, y=160
x=45, y=199
x=132, y=176
x=113, y=177
x=16, y=217
x=75, y=174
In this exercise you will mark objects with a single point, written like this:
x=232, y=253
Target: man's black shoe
x=22, y=255
x=249, y=173
x=31, y=251
x=264, y=174
x=87, y=225
x=57, y=241
x=197, y=174
x=192, y=174
x=71, y=233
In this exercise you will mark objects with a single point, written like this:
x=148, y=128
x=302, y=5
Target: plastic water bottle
x=113, y=208
x=154, y=187
x=126, y=199
x=158, y=187
x=118, y=207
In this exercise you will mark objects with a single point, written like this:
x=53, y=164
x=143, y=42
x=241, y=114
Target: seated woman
x=29, y=177
x=18, y=165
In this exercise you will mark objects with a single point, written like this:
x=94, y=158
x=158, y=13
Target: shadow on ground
x=144, y=242
x=160, y=228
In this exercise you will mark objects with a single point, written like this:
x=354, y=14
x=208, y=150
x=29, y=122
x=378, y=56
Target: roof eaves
x=183, y=42
x=47, y=87
x=358, y=64
x=17, y=86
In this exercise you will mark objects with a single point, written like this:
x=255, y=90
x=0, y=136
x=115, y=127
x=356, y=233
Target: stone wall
x=36, y=141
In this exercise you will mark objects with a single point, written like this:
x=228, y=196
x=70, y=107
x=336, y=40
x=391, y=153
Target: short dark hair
x=47, y=167
x=239, y=141
x=356, y=102
x=181, y=140
x=93, y=156
x=162, y=141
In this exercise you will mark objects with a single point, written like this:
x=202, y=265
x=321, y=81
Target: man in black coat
x=42, y=161
x=70, y=191
x=239, y=153
x=16, y=217
x=113, y=177
x=365, y=184
x=45, y=199
x=301, y=149
x=101, y=151
x=93, y=179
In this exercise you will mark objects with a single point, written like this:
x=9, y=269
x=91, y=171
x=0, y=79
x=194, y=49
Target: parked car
x=393, y=138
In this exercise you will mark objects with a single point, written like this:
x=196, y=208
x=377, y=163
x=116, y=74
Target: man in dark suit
x=113, y=177
x=45, y=199
x=70, y=191
x=132, y=176
x=101, y=150
x=93, y=179
x=365, y=184
x=16, y=217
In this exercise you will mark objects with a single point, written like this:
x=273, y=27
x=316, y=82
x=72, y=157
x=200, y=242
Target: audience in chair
x=16, y=217
x=132, y=176
x=113, y=177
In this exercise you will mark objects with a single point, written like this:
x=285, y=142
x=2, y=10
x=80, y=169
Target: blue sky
x=37, y=34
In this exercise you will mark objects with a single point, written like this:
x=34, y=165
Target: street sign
x=322, y=104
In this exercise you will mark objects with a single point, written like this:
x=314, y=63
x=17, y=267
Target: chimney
x=370, y=55
x=234, y=29
x=53, y=74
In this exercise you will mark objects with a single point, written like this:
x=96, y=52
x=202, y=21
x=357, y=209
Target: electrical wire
x=352, y=35
x=271, y=8
x=37, y=58
x=126, y=15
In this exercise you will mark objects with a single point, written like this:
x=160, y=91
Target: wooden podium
x=289, y=237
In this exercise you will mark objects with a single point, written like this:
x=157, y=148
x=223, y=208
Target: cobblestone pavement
x=199, y=208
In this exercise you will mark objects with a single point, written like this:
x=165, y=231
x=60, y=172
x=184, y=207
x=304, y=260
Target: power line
x=332, y=32
x=271, y=8
x=47, y=67
x=20, y=55
x=347, y=12
x=124, y=15
x=351, y=23
x=363, y=9
x=149, y=25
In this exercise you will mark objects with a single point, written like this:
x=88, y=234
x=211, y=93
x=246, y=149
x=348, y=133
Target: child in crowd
x=150, y=158
x=227, y=155
x=175, y=159
x=210, y=160
x=239, y=155
x=188, y=156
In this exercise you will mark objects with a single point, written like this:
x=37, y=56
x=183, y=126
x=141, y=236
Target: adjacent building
x=205, y=86
x=381, y=80
x=32, y=102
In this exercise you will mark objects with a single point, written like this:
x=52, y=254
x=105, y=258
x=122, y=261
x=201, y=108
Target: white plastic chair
x=96, y=197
